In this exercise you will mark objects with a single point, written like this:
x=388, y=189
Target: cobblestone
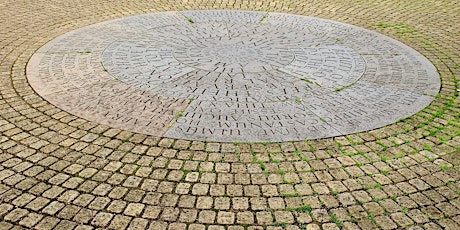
x=61, y=171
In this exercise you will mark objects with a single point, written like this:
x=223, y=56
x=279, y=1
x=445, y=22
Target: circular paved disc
x=233, y=76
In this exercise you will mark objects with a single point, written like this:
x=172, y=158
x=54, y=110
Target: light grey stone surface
x=233, y=76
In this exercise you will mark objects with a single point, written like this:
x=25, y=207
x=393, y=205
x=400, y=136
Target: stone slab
x=233, y=76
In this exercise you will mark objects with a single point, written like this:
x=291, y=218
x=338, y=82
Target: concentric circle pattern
x=101, y=125
x=233, y=76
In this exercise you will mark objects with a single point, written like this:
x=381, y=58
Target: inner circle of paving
x=233, y=76
x=233, y=55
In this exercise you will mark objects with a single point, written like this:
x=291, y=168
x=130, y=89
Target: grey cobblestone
x=60, y=171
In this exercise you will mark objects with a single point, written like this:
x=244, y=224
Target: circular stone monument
x=233, y=76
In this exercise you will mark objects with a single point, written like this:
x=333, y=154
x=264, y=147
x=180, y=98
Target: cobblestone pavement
x=59, y=171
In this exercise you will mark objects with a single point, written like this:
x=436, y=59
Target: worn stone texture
x=61, y=170
x=230, y=76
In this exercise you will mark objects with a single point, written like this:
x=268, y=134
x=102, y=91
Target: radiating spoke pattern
x=234, y=76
